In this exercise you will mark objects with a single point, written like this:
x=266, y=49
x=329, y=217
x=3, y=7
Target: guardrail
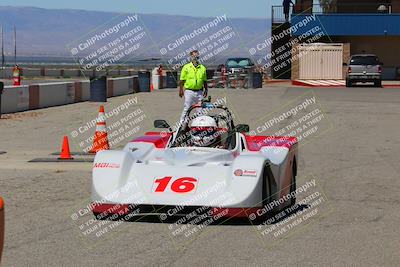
x=278, y=15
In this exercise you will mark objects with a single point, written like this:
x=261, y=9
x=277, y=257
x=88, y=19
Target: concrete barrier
x=113, y=72
x=88, y=73
x=32, y=72
x=85, y=88
x=120, y=86
x=125, y=73
x=56, y=94
x=15, y=99
x=72, y=73
x=22, y=98
x=35, y=96
x=53, y=72
x=67, y=72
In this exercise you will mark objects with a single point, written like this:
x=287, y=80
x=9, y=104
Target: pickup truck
x=241, y=65
x=364, y=68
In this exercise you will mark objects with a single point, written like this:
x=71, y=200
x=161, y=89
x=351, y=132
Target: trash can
x=172, y=79
x=389, y=73
x=160, y=82
x=136, y=85
x=144, y=81
x=98, y=89
x=210, y=74
x=257, y=80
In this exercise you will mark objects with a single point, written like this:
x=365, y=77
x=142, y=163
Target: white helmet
x=203, y=131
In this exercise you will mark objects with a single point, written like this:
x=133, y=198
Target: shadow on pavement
x=223, y=221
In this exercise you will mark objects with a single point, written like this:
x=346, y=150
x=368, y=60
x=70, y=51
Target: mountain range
x=50, y=32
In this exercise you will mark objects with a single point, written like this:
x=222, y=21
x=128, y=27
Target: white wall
x=15, y=99
x=54, y=94
x=122, y=86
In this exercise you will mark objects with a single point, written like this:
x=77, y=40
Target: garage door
x=320, y=61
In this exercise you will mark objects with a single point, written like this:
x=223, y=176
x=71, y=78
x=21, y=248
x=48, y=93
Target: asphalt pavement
x=352, y=157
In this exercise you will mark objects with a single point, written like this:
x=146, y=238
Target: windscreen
x=238, y=63
x=367, y=60
x=214, y=134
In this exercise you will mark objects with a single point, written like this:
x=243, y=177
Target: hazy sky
x=233, y=8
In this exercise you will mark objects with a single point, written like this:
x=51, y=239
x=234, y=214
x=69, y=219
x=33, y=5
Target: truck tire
x=378, y=83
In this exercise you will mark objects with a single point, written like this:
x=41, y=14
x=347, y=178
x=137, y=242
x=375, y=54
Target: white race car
x=208, y=163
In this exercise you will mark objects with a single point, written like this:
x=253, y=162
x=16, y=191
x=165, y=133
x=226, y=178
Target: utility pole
x=2, y=66
x=15, y=45
x=2, y=52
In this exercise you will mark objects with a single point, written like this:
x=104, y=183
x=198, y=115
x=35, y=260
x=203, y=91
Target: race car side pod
x=65, y=155
x=100, y=140
x=1, y=226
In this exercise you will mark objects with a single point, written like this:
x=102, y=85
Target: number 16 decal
x=181, y=185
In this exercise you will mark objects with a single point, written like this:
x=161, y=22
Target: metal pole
x=1, y=91
x=15, y=45
x=2, y=52
x=272, y=14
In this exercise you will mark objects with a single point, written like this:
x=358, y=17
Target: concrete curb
x=305, y=84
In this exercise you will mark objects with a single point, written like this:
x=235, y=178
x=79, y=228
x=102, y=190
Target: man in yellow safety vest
x=193, y=82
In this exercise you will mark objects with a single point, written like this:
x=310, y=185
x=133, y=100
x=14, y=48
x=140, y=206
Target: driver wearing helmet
x=204, y=132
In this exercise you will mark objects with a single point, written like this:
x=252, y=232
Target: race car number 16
x=181, y=185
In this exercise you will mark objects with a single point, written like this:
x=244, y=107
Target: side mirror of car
x=242, y=128
x=162, y=124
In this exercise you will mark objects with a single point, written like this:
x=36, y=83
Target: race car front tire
x=266, y=185
x=293, y=183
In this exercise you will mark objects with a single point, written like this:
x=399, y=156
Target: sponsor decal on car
x=250, y=173
x=106, y=165
x=240, y=172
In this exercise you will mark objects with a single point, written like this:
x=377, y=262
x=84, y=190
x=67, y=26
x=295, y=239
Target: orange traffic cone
x=65, y=153
x=100, y=141
x=151, y=87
